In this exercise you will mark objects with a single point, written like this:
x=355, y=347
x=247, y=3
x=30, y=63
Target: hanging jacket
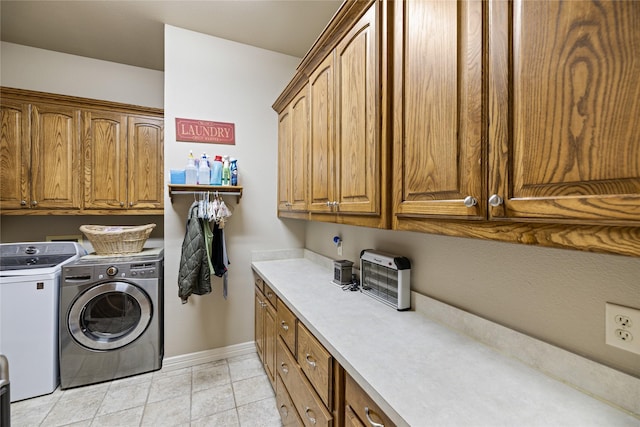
x=219, y=257
x=194, y=276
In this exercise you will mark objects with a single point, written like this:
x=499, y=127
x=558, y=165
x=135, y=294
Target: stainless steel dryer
x=111, y=317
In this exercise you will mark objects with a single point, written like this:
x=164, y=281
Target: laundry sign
x=189, y=130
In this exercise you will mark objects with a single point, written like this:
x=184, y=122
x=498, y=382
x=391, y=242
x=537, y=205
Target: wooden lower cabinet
x=265, y=333
x=306, y=401
x=311, y=387
x=316, y=363
x=270, y=342
x=286, y=325
x=287, y=410
x=360, y=409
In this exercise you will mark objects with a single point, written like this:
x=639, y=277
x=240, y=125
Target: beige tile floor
x=229, y=392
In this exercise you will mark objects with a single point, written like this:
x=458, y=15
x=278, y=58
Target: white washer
x=29, y=303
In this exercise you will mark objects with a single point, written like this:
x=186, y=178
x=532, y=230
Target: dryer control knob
x=112, y=271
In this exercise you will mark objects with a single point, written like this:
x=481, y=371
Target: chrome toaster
x=386, y=278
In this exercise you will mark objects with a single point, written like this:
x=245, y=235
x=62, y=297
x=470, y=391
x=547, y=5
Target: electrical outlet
x=622, y=327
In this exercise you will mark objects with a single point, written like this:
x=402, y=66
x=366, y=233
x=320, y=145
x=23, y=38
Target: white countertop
x=422, y=373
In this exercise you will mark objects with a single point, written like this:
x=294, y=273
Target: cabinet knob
x=284, y=368
x=130, y=204
x=470, y=201
x=34, y=203
x=23, y=203
x=328, y=203
x=284, y=325
x=371, y=422
x=495, y=200
x=335, y=204
x=121, y=204
x=284, y=411
x=309, y=413
x=310, y=361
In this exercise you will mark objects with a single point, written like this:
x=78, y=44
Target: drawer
x=309, y=406
x=271, y=296
x=288, y=413
x=358, y=402
x=259, y=282
x=287, y=326
x=316, y=362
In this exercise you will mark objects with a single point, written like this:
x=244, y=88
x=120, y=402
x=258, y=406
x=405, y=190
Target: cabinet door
x=357, y=150
x=270, y=336
x=299, y=147
x=259, y=310
x=438, y=154
x=565, y=134
x=321, y=167
x=145, y=162
x=14, y=155
x=104, y=143
x=284, y=156
x=56, y=175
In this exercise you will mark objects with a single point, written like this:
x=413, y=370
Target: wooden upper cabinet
x=322, y=138
x=357, y=146
x=293, y=141
x=123, y=161
x=347, y=147
x=40, y=155
x=299, y=150
x=145, y=158
x=14, y=155
x=438, y=149
x=284, y=166
x=565, y=128
x=63, y=155
x=56, y=178
x=105, y=149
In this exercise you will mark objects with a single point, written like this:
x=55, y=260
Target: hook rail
x=223, y=190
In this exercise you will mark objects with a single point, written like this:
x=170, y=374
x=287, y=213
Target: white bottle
x=191, y=172
x=203, y=171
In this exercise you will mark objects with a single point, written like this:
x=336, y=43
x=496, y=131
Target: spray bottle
x=226, y=172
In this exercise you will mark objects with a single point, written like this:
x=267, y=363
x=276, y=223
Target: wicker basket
x=117, y=239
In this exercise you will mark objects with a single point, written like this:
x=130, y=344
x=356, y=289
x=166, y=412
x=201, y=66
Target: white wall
x=209, y=78
x=556, y=295
x=24, y=67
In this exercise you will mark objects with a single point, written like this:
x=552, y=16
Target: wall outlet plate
x=622, y=327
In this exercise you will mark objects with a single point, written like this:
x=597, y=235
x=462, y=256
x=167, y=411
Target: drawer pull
x=284, y=368
x=371, y=422
x=284, y=411
x=309, y=361
x=269, y=294
x=284, y=325
x=307, y=412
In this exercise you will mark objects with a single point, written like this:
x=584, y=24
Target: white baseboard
x=206, y=356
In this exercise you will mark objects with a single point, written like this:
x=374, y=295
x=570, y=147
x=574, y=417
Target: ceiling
x=132, y=32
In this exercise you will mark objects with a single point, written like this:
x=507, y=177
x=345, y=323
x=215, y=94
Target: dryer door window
x=109, y=316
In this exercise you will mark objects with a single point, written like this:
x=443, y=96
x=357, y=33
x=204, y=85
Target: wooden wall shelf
x=229, y=190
